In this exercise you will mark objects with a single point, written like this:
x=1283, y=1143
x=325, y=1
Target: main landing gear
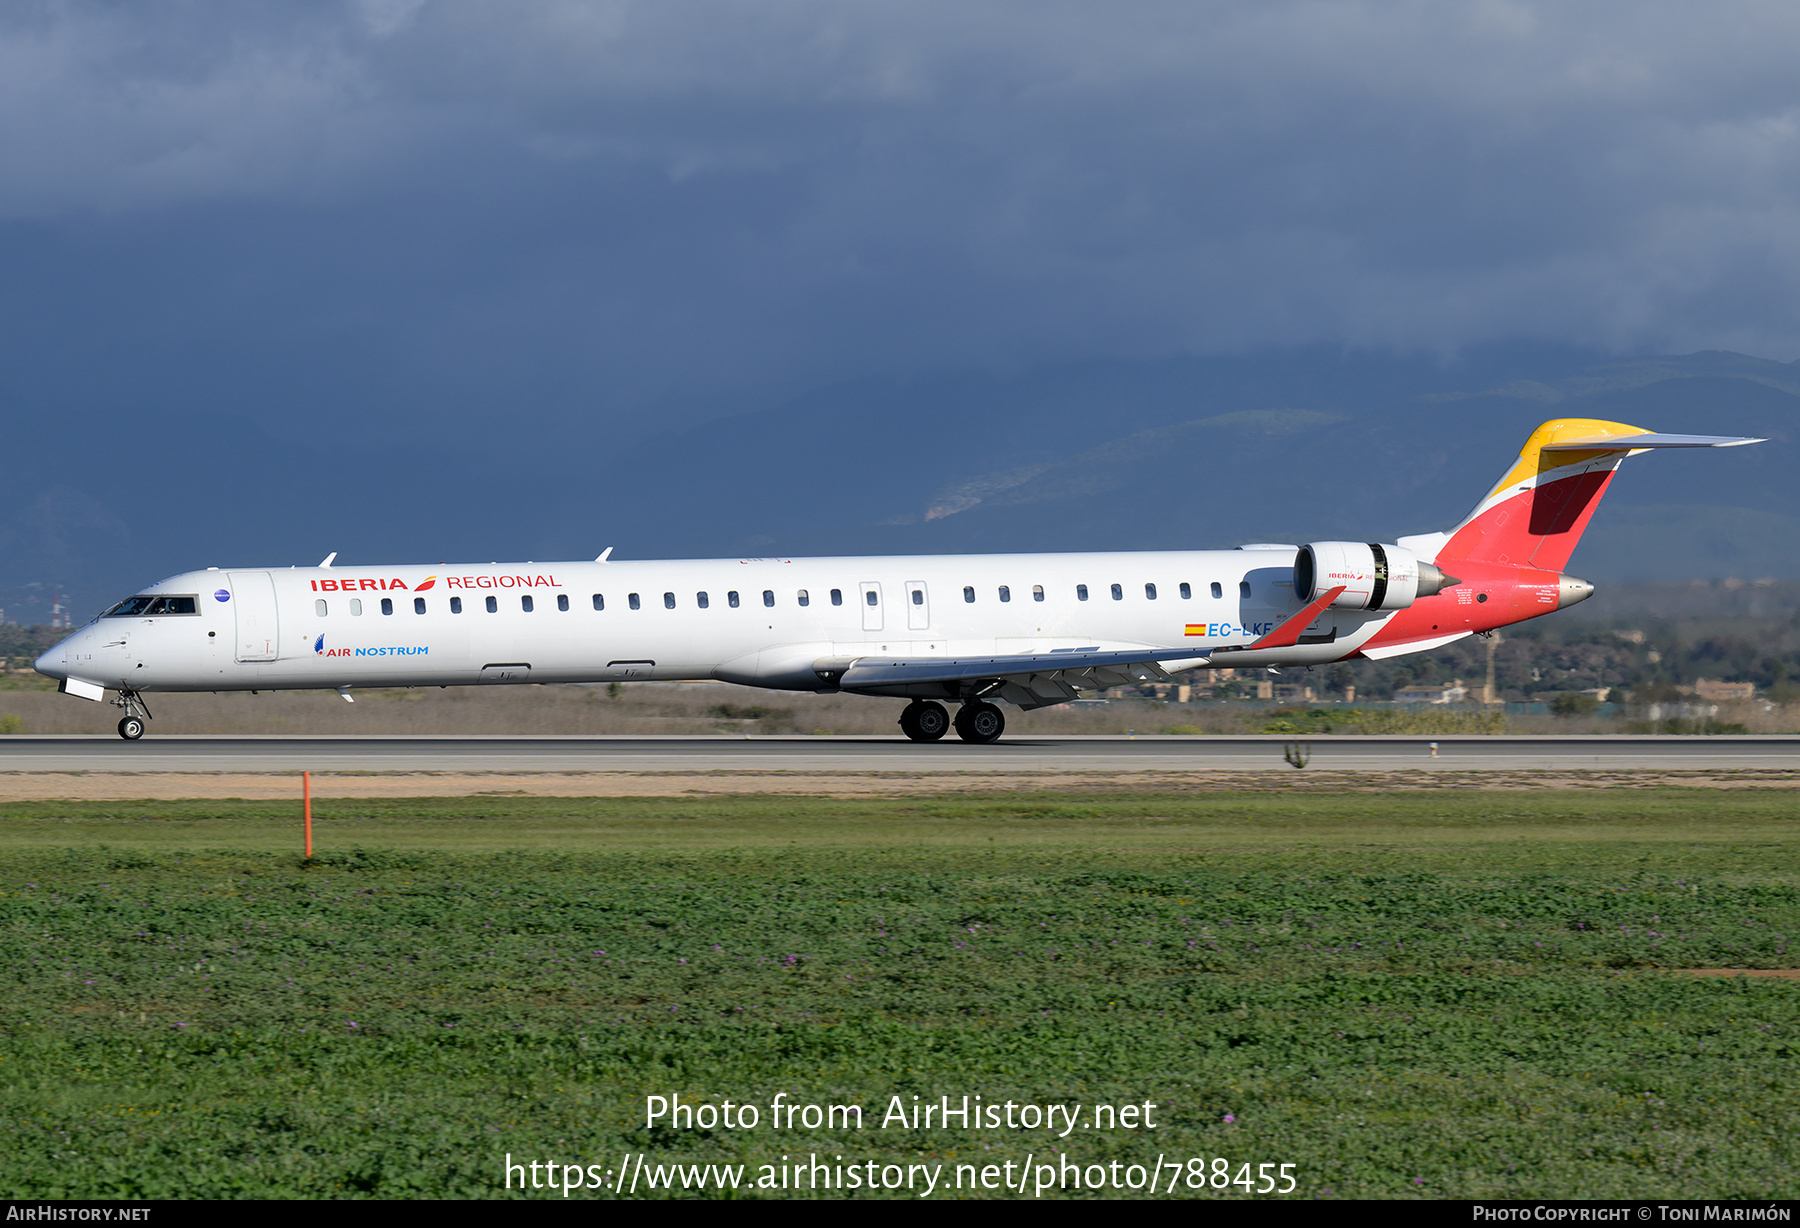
x=924, y=721
x=131, y=725
x=976, y=721
x=980, y=722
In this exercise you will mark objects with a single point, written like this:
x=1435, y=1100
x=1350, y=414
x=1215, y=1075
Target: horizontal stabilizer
x=1631, y=443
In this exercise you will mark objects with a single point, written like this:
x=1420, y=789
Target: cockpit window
x=150, y=606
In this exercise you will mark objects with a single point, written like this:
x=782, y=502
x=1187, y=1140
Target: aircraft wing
x=1029, y=680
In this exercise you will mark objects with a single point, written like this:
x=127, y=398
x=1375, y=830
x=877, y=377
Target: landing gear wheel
x=980, y=722
x=131, y=728
x=924, y=721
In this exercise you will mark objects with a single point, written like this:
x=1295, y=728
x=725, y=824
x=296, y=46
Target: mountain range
x=1173, y=453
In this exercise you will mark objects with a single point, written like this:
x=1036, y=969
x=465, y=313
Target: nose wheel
x=131, y=725
x=924, y=721
x=980, y=722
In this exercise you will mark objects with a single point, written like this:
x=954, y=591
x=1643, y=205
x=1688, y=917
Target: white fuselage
x=763, y=622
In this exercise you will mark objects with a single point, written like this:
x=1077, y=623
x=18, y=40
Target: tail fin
x=1537, y=513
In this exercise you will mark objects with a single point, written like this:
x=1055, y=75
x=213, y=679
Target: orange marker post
x=306, y=793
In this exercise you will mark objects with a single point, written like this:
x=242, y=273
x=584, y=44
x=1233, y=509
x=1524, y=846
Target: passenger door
x=253, y=604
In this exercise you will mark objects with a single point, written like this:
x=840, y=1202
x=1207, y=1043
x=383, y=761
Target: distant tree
x=1574, y=703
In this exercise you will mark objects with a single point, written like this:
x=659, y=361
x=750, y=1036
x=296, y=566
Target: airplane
x=1027, y=630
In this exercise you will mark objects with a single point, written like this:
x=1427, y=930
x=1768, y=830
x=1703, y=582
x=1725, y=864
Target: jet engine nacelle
x=1373, y=577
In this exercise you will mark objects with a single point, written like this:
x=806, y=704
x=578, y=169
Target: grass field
x=1425, y=994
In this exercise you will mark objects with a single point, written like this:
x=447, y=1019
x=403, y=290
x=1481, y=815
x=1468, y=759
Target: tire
x=131, y=728
x=924, y=721
x=980, y=722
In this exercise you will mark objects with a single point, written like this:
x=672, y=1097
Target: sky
x=380, y=223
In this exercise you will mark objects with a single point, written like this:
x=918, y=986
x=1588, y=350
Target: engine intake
x=1373, y=577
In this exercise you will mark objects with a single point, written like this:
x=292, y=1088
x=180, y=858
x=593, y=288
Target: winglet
x=604, y=554
x=1288, y=633
x=328, y=558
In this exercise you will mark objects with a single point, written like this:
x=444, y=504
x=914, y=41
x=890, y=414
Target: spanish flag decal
x=1196, y=628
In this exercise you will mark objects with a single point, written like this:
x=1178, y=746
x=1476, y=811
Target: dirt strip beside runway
x=169, y=786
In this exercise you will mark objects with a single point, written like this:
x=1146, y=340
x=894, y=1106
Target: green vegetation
x=1648, y=643
x=1382, y=721
x=767, y=719
x=1436, y=994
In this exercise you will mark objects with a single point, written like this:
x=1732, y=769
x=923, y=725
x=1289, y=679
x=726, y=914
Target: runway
x=885, y=755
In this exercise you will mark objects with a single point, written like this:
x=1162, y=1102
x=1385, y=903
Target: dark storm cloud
x=589, y=207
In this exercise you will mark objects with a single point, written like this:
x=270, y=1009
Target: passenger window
x=1081, y=592
x=1005, y=593
x=631, y=600
x=918, y=596
x=701, y=600
x=1150, y=592
x=837, y=596
x=456, y=605
x=356, y=607
x=668, y=601
x=387, y=605
x=1217, y=591
x=1037, y=592
x=562, y=602
x=1187, y=591
x=802, y=598
x=1243, y=588
x=769, y=597
x=525, y=603
x=418, y=605
x=871, y=596
x=493, y=605
x=968, y=594
x=731, y=599
x=599, y=602
x=1118, y=593
x=319, y=607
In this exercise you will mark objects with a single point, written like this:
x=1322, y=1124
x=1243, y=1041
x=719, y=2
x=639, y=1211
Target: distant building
x=1452, y=693
x=1705, y=688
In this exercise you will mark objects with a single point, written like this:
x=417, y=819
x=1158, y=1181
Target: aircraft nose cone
x=51, y=664
x=1570, y=590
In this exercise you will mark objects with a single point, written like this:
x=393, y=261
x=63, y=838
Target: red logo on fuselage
x=366, y=583
x=349, y=585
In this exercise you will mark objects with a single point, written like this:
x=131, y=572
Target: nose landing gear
x=131, y=725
